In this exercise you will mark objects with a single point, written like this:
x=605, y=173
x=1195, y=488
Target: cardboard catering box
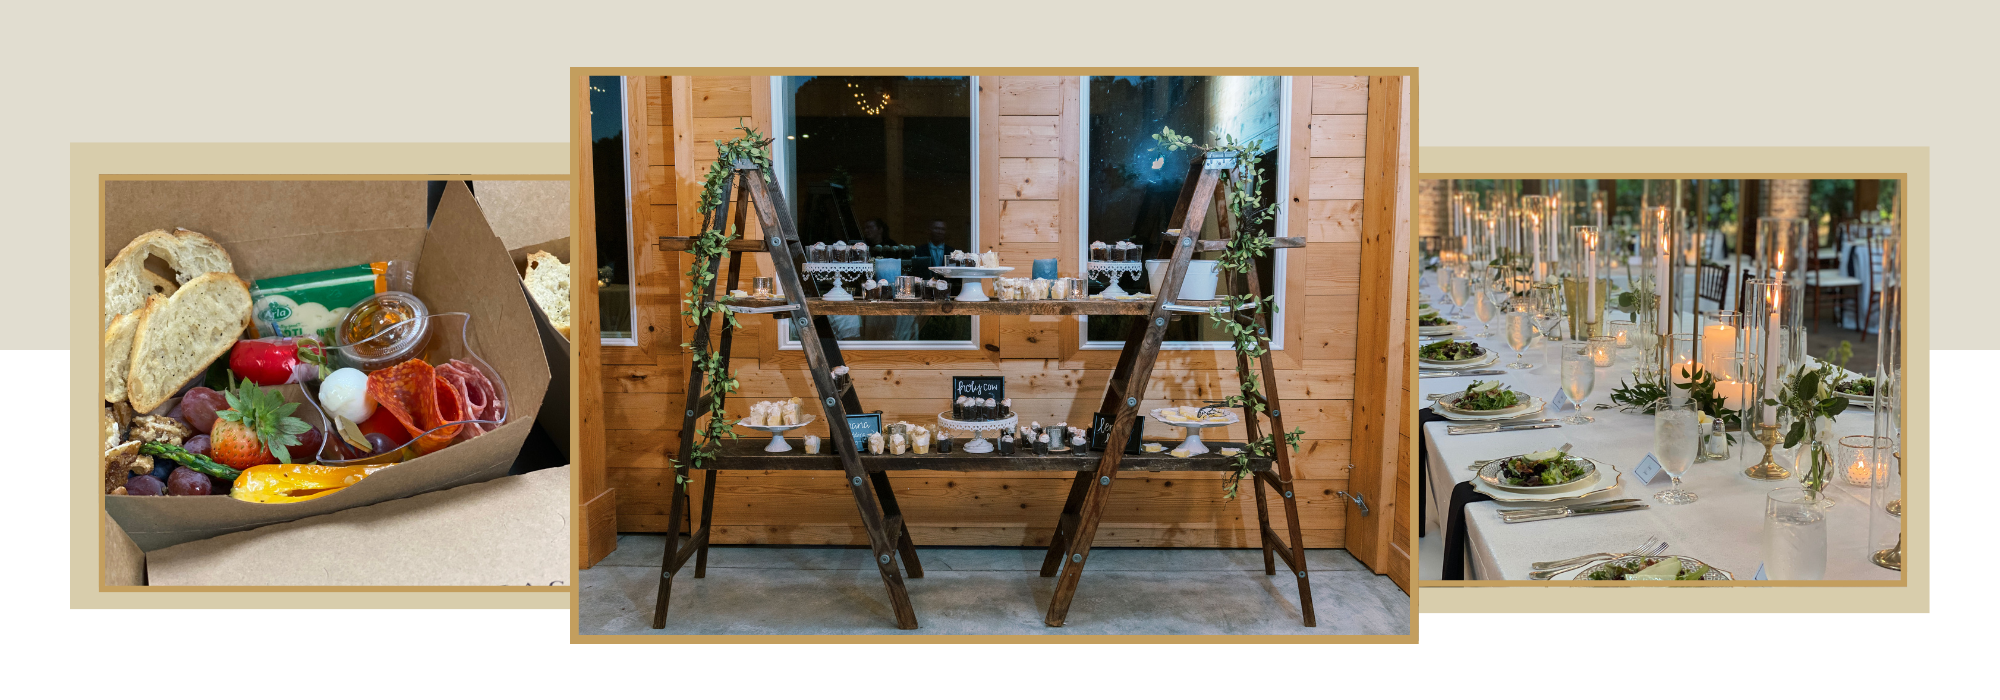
x=272, y=229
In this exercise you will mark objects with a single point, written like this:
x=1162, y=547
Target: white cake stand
x=1115, y=270
x=777, y=432
x=978, y=445
x=973, y=289
x=1193, y=442
x=838, y=274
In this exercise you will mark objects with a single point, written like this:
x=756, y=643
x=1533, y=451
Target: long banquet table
x=1723, y=529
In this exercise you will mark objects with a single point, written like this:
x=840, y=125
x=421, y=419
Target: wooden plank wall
x=1028, y=161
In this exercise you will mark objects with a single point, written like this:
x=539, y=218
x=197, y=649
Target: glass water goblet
x=1461, y=289
x=1579, y=377
x=1483, y=308
x=1676, y=435
x=1520, y=333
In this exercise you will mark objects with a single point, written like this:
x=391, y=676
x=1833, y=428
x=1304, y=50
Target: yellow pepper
x=291, y=483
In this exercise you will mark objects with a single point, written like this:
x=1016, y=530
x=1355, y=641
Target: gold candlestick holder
x=1890, y=558
x=1896, y=508
x=1767, y=469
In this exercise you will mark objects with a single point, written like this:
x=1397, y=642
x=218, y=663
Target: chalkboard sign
x=1100, y=432
x=979, y=387
x=862, y=425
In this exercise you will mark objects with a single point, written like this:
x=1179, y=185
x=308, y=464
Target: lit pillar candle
x=1732, y=393
x=1717, y=343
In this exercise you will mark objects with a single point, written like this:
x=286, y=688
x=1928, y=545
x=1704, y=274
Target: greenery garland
x=707, y=248
x=1248, y=210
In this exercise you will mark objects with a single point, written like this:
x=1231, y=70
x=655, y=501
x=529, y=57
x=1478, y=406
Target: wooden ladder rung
x=741, y=245
x=695, y=543
x=1279, y=545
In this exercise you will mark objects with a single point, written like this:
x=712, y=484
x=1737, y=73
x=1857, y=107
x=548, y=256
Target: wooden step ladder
x=888, y=533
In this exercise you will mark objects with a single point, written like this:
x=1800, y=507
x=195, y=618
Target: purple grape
x=198, y=444
x=199, y=405
x=381, y=444
x=219, y=487
x=309, y=446
x=186, y=482
x=144, y=485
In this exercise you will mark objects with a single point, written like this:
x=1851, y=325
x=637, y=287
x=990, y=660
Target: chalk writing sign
x=862, y=425
x=979, y=387
x=1100, y=432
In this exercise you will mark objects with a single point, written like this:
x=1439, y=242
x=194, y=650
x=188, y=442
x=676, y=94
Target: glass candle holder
x=1624, y=334
x=1681, y=362
x=1856, y=462
x=1721, y=333
x=762, y=287
x=1601, y=348
x=1885, y=494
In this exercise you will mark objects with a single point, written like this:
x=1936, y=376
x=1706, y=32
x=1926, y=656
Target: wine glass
x=1675, y=431
x=1579, y=376
x=1520, y=332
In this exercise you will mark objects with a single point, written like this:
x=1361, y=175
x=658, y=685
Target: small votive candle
x=1600, y=350
x=1858, y=473
x=1621, y=333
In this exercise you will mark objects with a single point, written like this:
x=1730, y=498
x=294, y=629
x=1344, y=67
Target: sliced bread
x=126, y=282
x=178, y=337
x=118, y=352
x=548, y=283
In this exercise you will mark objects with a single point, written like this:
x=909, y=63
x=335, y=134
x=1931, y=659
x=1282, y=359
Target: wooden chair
x=1826, y=281
x=1713, y=285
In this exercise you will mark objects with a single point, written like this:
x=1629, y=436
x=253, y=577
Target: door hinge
x=1358, y=501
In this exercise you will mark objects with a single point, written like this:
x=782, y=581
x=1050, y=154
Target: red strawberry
x=255, y=429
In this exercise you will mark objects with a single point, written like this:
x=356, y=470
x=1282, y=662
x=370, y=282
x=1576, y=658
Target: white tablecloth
x=1724, y=528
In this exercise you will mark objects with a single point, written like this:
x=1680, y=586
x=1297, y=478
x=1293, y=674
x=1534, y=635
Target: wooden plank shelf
x=1212, y=245
x=748, y=454
x=1039, y=307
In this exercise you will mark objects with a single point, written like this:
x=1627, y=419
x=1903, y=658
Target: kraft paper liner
x=451, y=338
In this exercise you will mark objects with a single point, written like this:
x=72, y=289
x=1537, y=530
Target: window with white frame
x=611, y=191
x=890, y=161
x=1130, y=186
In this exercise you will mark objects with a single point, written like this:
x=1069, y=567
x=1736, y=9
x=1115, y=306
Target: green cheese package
x=313, y=303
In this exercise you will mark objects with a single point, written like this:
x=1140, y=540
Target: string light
x=861, y=101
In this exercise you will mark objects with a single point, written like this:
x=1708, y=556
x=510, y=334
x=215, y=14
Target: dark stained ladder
x=867, y=475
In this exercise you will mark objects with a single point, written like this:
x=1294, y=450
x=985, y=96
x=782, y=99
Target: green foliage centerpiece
x=1806, y=397
x=708, y=249
x=1248, y=211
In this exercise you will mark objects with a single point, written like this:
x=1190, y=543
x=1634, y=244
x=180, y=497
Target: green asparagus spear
x=190, y=460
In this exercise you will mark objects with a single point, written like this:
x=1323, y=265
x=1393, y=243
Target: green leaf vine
x=1236, y=314
x=708, y=249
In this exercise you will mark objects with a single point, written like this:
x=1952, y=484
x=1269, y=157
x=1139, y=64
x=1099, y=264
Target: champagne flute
x=1520, y=332
x=1675, y=431
x=1579, y=376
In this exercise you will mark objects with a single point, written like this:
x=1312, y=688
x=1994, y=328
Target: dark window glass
x=608, y=184
x=1134, y=186
x=885, y=160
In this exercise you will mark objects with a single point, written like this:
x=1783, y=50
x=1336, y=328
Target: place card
x=1760, y=573
x=1648, y=470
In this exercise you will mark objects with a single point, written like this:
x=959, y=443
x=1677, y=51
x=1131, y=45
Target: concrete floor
x=985, y=590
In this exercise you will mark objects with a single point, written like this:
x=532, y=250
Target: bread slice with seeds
x=178, y=337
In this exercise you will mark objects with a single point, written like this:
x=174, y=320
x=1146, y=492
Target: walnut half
x=160, y=429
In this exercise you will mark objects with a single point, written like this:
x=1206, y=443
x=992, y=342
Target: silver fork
x=1546, y=575
x=1543, y=565
x=1476, y=466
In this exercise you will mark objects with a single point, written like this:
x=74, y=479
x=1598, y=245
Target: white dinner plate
x=1486, y=357
x=1491, y=475
x=1439, y=330
x=1608, y=477
x=1535, y=405
x=1450, y=401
